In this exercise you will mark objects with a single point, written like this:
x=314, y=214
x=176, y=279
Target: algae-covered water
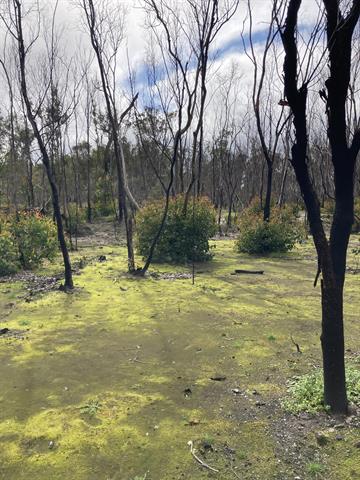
x=113, y=380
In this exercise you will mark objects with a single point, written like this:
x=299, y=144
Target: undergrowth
x=305, y=393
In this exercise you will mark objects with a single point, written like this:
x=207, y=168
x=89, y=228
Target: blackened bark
x=267, y=205
x=43, y=150
x=332, y=253
x=332, y=342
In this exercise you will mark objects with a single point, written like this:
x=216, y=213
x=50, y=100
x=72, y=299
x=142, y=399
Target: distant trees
x=270, y=117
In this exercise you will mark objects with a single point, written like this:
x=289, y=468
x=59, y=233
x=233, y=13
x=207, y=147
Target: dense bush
x=185, y=237
x=34, y=236
x=277, y=235
x=9, y=255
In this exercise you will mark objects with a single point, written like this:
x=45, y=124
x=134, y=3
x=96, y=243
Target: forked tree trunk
x=331, y=253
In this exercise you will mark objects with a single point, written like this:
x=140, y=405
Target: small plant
x=186, y=234
x=315, y=469
x=271, y=338
x=207, y=442
x=279, y=234
x=306, y=392
x=242, y=456
x=24, y=323
x=91, y=408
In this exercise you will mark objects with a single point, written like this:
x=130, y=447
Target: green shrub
x=9, y=254
x=35, y=237
x=305, y=393
x=277, y=235
x=185, y=237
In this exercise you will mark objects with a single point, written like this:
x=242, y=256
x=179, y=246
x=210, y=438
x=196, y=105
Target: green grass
x=91, y=407
x=315, y=469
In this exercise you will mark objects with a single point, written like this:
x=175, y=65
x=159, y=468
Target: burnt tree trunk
x=331, y=252
x=45, y=156
x=269, y=181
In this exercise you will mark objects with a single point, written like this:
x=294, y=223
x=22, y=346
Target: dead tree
x=102, y=30
x=206, y=19
x=13, y=20
x=269, y=123
x=331, y=251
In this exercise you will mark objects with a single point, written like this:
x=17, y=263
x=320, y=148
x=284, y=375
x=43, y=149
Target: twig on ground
x=296, y=345
x=202, y=463
x=233, y=471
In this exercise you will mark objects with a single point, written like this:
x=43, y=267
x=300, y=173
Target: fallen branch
x=203, y=464
x=251, y=272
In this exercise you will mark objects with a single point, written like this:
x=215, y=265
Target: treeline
x=85, y=172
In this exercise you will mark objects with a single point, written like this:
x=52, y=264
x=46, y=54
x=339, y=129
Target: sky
x=228, y=41
x=228, y=45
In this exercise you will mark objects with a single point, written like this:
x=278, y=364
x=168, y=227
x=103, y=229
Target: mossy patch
x=102, y=372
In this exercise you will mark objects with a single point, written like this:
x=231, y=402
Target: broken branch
x=202, y=463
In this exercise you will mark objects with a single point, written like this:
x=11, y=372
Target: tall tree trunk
x=29, y=164
x=45, y=157
x=267, y=205
x=332, y=342
x=331, y=253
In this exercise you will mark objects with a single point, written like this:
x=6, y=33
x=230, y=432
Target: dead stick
x=296, y=344
x=192, y=451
